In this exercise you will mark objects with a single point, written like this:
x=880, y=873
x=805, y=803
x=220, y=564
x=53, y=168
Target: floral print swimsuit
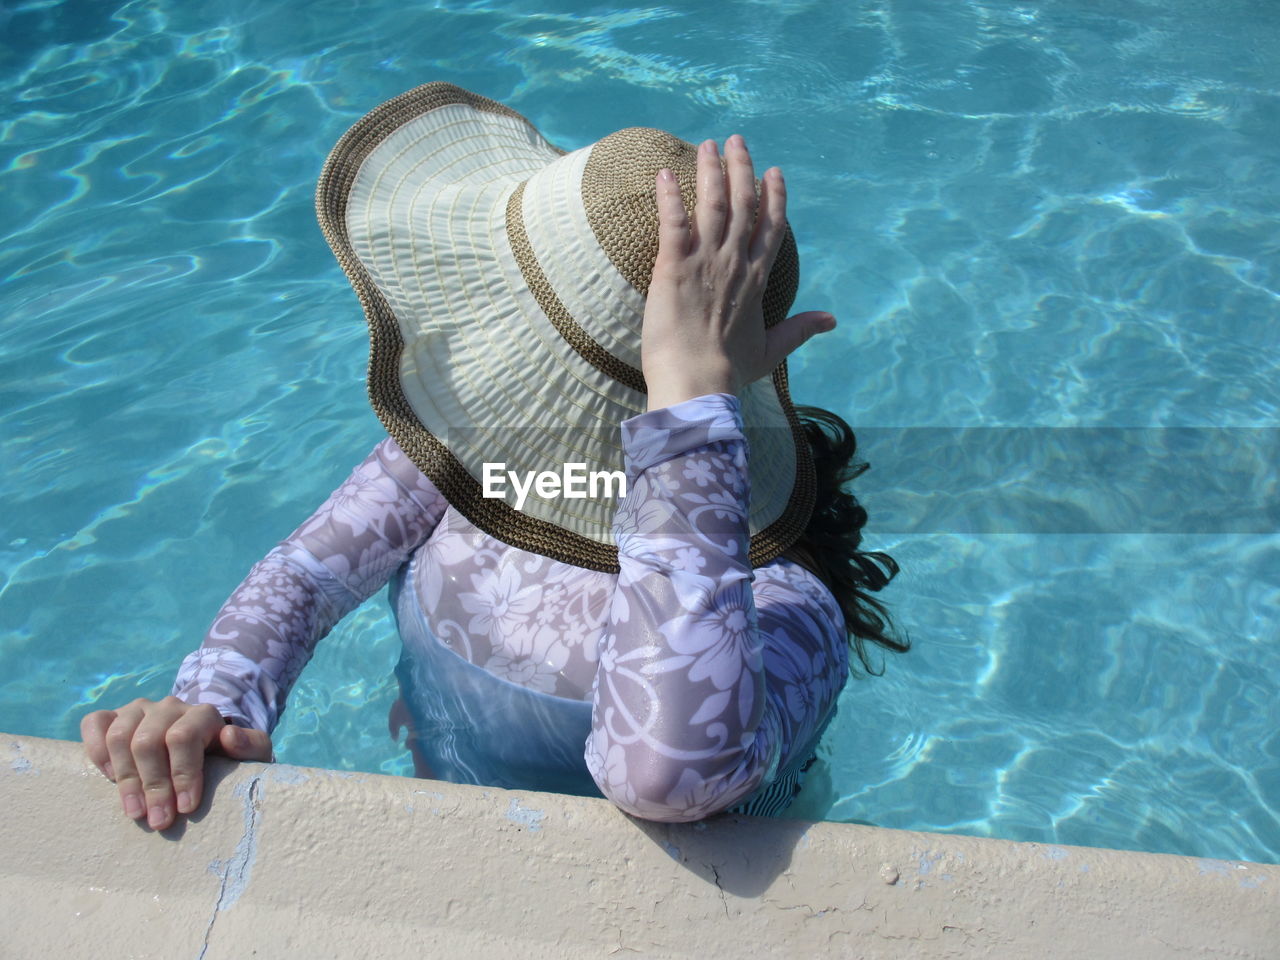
x=684, y=685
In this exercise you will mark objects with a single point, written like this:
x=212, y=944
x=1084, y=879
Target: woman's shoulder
x=388, y=457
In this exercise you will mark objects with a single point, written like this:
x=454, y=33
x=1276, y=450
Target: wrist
x=663, y=399
x=667, y=388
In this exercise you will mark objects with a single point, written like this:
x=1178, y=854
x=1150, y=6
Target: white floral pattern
x=706, y=679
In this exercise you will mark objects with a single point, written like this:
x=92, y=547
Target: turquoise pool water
x=1049, y=232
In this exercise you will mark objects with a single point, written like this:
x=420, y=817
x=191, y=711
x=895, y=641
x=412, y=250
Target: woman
x=678, y=649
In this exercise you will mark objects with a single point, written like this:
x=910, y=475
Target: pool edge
x=287, y=860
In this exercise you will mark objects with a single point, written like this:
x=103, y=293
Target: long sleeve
x=340, y=556
x=700, y=697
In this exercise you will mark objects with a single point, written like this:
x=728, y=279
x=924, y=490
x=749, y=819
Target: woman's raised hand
x=154, y=751
x=703, y=322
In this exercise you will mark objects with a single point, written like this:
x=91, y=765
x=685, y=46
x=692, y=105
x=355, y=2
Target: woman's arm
x=687, y=718
x=262, y=637
x=700, y=697
x=340, y=556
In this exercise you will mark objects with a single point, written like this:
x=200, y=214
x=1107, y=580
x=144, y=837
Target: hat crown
x=622, y=208
x=619, y=197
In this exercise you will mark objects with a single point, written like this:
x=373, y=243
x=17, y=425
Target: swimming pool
x=1048, y=231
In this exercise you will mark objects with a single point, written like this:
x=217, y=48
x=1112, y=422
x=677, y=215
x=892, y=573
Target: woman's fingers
x=151, y=757
x=712, y=210
x=119, y=741
x=241, y=743
x=93, y=732
x=742, y=192
x=786, y=337
x=187, y=739
x=673, y=219
x=771, y=225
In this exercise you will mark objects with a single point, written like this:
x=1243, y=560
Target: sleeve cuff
x=234, y=685
x=658, y=435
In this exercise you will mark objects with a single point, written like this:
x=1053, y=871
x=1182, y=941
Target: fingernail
x=184, y=802
x=708, y=146
x=664, y=175
x=738, y=141
x=158, y=815
x=132, y=806
x=109, y=770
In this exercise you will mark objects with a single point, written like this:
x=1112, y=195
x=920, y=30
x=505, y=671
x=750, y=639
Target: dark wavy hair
x=828, y=548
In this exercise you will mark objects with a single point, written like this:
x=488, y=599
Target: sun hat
x=504, y=281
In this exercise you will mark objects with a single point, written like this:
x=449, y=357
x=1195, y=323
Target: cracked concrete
x=234, y=873
x=292, y=862
x=716, y=875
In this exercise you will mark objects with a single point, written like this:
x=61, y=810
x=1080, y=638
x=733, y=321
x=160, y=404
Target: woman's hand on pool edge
x=154, y=752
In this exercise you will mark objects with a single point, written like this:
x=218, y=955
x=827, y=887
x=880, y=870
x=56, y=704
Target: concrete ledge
x=287, y=861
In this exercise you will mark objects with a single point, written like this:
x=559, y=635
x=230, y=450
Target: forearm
x=343, y=553
x=263, y=636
